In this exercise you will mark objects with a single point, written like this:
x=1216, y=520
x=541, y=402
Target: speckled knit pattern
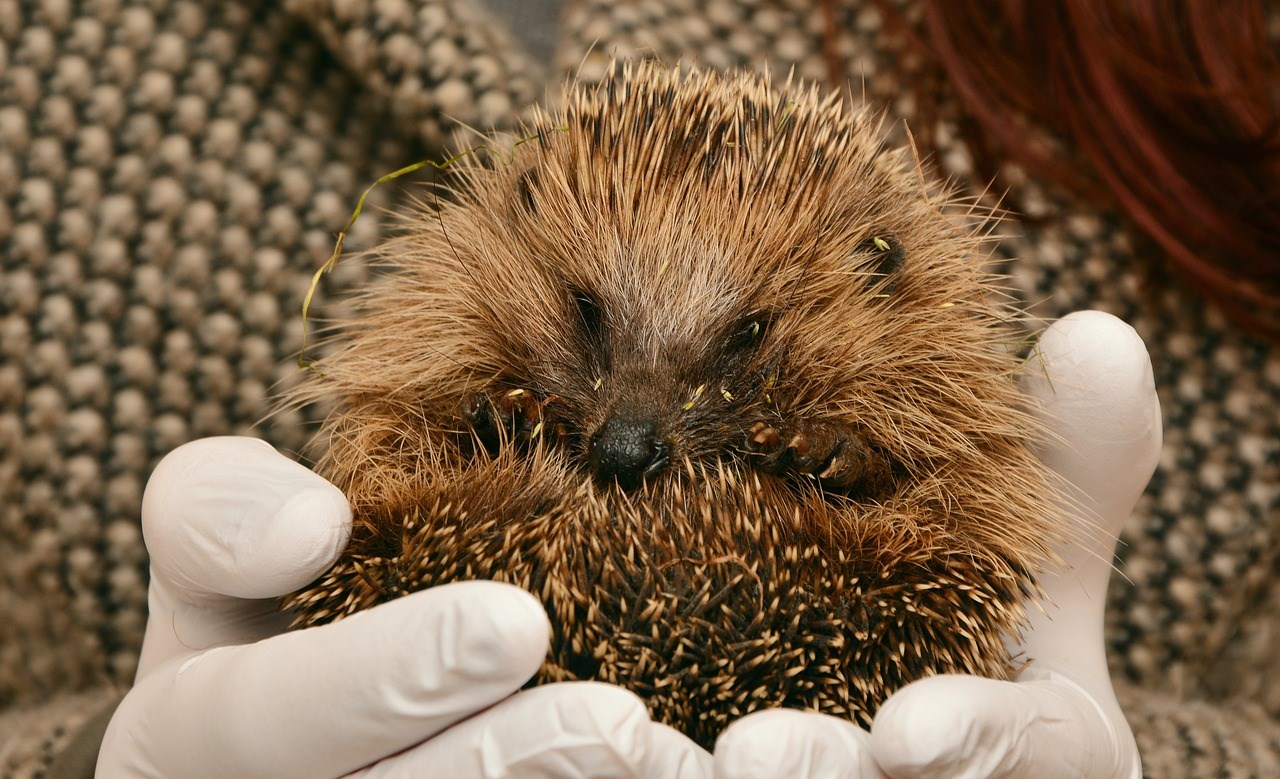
x=164, y=197
x=1199, y=740
x=1196, y=612
x=36, y=738
x=171, y=171
x=421, y=60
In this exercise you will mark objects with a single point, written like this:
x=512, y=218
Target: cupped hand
x=422, y=686
x=1090, y=380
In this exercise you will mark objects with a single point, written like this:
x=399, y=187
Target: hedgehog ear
x=526, y=184
x=883, y=256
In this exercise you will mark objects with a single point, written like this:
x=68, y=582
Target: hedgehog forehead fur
x=730, y=263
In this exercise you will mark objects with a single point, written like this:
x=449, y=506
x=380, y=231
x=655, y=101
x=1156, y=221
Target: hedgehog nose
x=626, y=449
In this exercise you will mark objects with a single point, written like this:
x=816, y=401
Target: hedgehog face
x=668, y=277
x=678, y=271
x=693, y=364
x=707, y=367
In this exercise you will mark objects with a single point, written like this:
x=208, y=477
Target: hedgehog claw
x=474, y=409
x=764, y=437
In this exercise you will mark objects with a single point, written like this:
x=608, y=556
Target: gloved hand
x=418, y=687
x=1090, y=378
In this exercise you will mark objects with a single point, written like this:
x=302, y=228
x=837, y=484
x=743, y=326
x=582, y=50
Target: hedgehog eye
x=589, y=313
x=887, y=256
x=749, y=332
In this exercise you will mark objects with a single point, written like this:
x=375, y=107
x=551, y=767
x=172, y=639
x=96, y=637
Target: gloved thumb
x=231, y=525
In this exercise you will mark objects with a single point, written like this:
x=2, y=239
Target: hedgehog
x=718, y=375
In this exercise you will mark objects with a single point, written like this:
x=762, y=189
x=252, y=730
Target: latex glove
x=1090, y=379
x=222, y=690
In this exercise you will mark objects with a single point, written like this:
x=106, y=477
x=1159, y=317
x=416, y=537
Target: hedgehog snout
x=627, y=448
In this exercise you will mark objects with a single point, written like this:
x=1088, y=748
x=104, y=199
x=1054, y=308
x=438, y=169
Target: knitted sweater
x=173, y=171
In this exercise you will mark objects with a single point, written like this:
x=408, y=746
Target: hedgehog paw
x=841, y=460
x=509, y=416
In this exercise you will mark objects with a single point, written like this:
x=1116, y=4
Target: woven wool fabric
x=172, y=171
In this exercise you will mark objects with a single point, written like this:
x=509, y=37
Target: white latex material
x=794, y=745
x=1091, y=380
x=418, y=687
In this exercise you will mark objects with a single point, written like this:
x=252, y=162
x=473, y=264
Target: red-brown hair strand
x=1170, y=110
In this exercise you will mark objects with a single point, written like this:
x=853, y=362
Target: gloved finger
x=1097, y=396
x=796, y=744
x=231, y=524
x=328, y=700
x=671, y=753
x=232, y=517
x=1091, y=380
x=964, y=726
x=575, y=730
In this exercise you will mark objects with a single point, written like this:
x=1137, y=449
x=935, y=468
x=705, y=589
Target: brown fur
x=702, y=248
